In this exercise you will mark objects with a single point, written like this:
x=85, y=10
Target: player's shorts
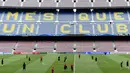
x=72, y=68
x=65, y=67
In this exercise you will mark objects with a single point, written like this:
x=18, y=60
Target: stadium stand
x=5, y=49
x=64, y=22
x=1, y=2
x=59, y=21
x=30, y=3
x=46, y=49
x=64, y=3
x=104, y=46
x=84, y=46
x=101, y=3
x=48, y=3
x=13, y=3
x=83, y=3
x=81, y=46
x=122, y=46
x=117, y=3
x=25, y=46
x=47, y=46
x=64, y=47
x=6, y=46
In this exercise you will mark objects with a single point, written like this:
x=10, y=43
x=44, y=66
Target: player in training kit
x=79, y=56
x=105, y=53
x=24, y=66
x=58, y=58
x=121, y=64
x=96, y=59
x=127, y=63
x=41, y=59
x=65, y=58
x=29, y=59
x=65, y=66
x=52, y=70
x=71, y=67
x=2, y=62
x=92, y=57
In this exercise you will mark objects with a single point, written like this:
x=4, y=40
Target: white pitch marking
x=74, y=63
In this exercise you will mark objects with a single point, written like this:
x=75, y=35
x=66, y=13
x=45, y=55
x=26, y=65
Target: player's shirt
x=58, y=57
x=127, y=63
x=92, y=57
x=52, y=69
x=24, y=65
x=121, y=64
x=95, y=59
x=2, y=61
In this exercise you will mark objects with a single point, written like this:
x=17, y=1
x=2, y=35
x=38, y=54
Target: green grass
x=105, y=64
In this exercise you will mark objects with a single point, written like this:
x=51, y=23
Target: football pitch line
x=74, y=63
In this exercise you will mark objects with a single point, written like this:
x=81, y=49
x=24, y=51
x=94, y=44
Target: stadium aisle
x=86, y=65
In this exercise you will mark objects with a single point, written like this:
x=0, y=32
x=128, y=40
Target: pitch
x=104, y=64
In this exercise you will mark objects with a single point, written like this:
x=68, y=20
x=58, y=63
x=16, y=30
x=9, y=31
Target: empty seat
x=128, y=42
x=7, y=46
x=84, y=49
x=45, y=44
x=83, y=3
x=24, y=50
x=118, y=3
x=84, y=46
x=121, y=43
x=4, y=44
x=84, y=43
x=48, y=3
x=100, y=3
x=31, y=3
x=5, y=49
x=26, y=44
x=128, y=2
x=65, y=47
x=12, y=3
x=122, y=46
x=1, y=2
x=66, y=3
x=104, y=46
x=44, y=50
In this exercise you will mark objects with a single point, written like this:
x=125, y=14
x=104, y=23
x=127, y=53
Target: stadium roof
x=64, y=3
